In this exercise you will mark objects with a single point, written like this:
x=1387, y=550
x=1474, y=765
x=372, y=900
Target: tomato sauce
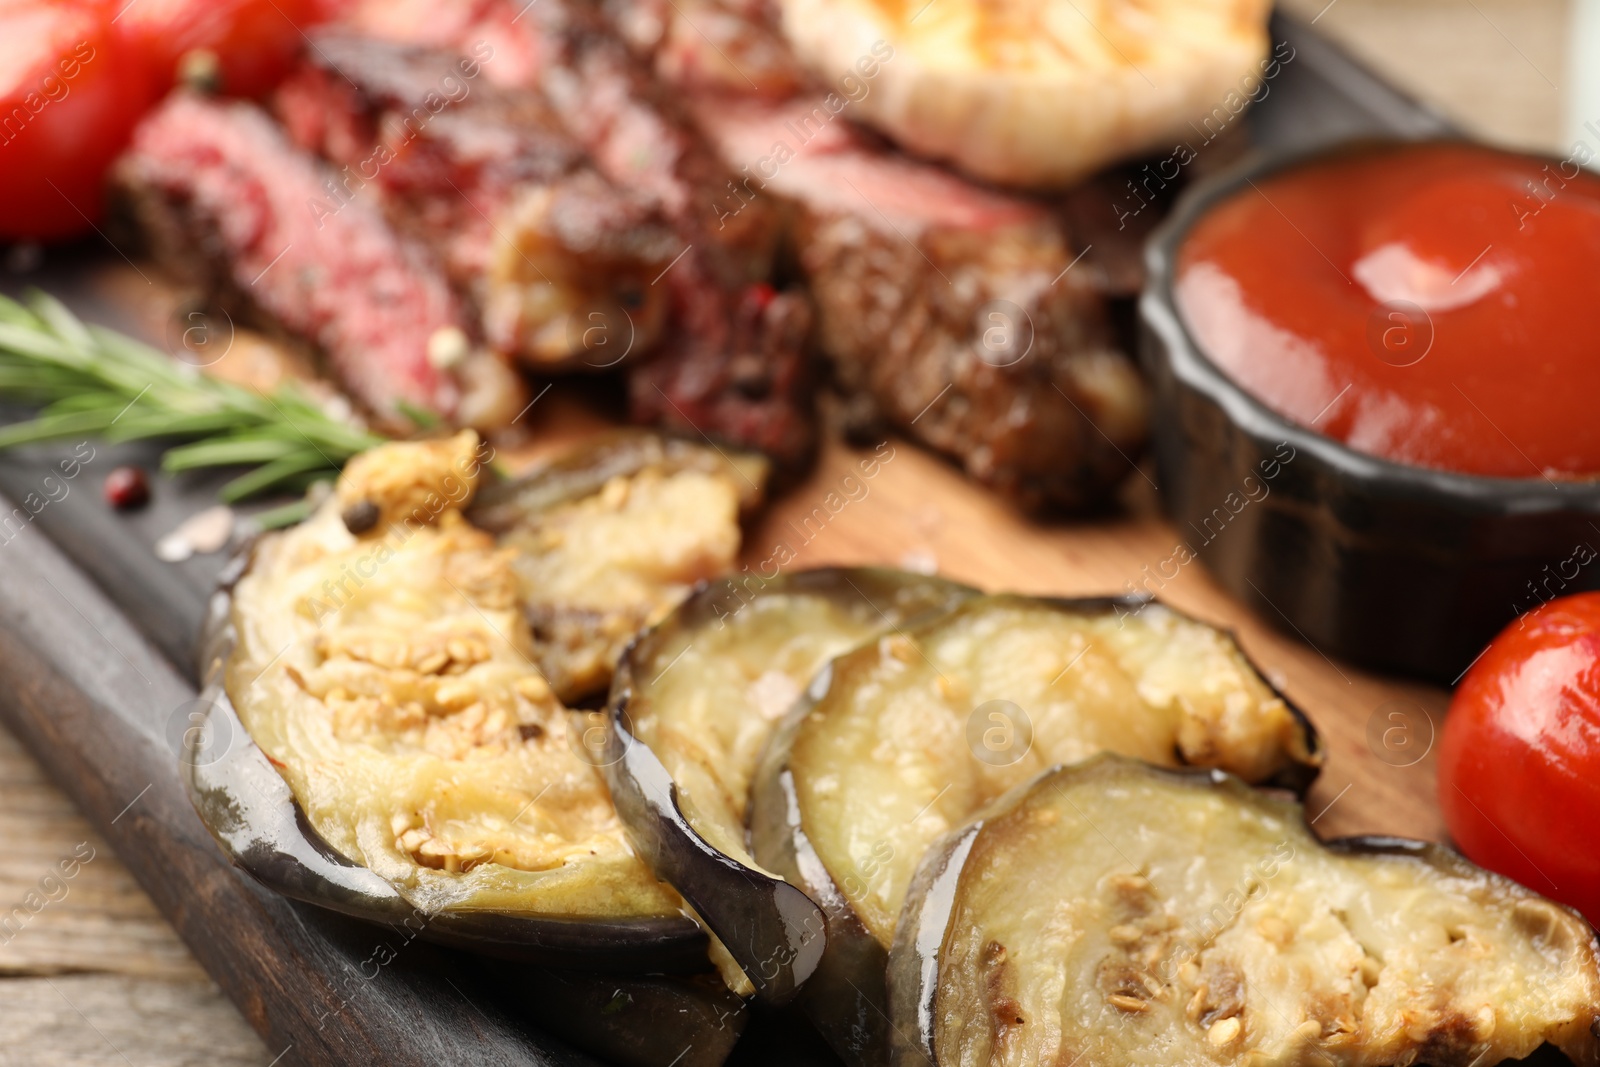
x=1434, y=304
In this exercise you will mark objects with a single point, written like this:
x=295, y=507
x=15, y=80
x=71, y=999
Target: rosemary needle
x=88, y=380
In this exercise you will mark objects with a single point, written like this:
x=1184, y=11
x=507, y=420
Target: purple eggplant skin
x=931, y=901
x=772, y=929
x=846, y=997
x=253, y=816
x=776, y=929
x=500, y=506
x=912, y=972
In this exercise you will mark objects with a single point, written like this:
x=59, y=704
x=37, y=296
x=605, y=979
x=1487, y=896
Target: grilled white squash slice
x=1037, y=92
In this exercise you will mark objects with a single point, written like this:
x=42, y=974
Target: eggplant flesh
x=912, y=734
x=610, y=537
x=694, y=702
x=1115, y=912
x=388, y=677
x=902, y=739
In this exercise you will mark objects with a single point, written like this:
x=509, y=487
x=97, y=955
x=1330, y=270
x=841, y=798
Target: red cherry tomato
x=1519, y=757
x=69, y=98
x=255, y=41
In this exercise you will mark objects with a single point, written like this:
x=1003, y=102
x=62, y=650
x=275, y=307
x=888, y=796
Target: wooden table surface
x=98, y=978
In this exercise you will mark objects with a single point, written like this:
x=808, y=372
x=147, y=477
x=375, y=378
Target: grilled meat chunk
x=221, y=197
x=738, y=367
x=954, y=307
x=734, y=365
x=558, y=262
x=729, y=46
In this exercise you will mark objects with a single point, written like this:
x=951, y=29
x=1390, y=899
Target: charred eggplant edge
x=583, y=470
x=913, y=972
x=771, y=927
x=846, y=996
x=251, y=812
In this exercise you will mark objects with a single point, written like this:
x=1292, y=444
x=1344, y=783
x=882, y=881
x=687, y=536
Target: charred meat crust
x=737, y=369
x=1050, y=415
x=955, y=308
x=735, y=366
x=990, y=327
x=743, y=377
x=727, y=46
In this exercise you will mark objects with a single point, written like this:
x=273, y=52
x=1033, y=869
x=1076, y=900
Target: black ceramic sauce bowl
x=1395, y=568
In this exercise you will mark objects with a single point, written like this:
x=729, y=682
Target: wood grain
x=97, y=920
x=96, y=947
x=88, y=1020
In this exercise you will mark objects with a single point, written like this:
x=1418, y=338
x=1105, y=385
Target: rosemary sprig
x=92, y=381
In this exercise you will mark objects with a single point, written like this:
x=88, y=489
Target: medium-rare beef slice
x=554, y=258
x=723, y=370
x=736, y=367
x=223, y=199
x=717, y=46
x=956, y=308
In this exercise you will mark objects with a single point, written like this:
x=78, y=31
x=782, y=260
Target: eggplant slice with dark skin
x=587, y=982
x=595, y=560
x=901, y=739
x=375, y=738
x=693, y=703
x=252, y=813
x=1121, y=913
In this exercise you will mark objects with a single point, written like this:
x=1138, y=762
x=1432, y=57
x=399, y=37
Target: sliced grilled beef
x=728, y=46
x=557, y=261
x=225, y=200
x=733, y=365
x=956, y=308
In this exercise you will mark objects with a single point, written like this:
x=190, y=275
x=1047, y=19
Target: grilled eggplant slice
x=694, y=701
x=386, y=674
x=1120, y=913
x=611, y=537
x=902, y=739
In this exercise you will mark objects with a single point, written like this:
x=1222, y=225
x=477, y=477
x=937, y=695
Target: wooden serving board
x=96, y=637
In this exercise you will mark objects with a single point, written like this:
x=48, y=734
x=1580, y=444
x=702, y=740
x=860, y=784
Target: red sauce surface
x=1432, y=304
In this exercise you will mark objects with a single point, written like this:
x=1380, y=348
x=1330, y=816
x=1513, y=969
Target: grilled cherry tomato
x=70, y=95
x=1519, y=757
x=254, y=42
